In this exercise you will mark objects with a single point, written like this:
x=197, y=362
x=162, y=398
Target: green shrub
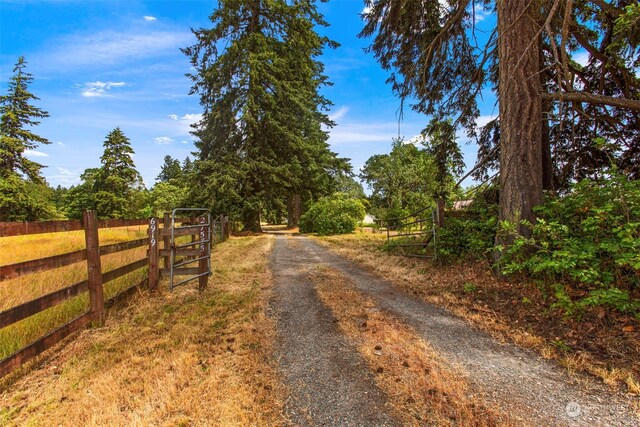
x=585, y=246
x=338, y=214
x=468, y=234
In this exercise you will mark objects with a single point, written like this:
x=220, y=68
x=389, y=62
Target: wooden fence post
x=167, y=240
x=94, y=268
x=154, y=254
x=226, y=226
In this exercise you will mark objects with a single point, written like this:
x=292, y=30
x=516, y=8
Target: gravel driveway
x=331, y=385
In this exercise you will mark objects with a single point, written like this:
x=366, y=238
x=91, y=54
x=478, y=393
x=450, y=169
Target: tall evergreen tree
x=18, y=115
x=24, y=194
x=170, y=170
x=261, y=128
x=117, y=183
x=441, y=144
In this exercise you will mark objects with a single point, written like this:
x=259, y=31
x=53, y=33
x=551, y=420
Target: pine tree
x=24, y=194
x=117, y=182
x=261, y=132
x=170, y=170
x=18, y=115
x=441, y=144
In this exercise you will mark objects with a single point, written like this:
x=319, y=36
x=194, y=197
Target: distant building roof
x=369, y=219
x=461, y=204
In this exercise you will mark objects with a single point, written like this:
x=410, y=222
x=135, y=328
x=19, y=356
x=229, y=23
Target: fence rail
x=94, y=284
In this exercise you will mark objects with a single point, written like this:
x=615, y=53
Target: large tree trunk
x=294, y=210
x=520, y=114
x=251, y=221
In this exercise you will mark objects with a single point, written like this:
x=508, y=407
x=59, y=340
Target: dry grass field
x=174, y=359
x=22, y=289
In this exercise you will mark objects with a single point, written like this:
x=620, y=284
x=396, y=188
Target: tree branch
x=629, y=104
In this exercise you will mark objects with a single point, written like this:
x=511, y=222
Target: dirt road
x=330, y=385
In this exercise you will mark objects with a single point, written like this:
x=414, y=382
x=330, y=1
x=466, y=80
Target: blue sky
x=99, y=64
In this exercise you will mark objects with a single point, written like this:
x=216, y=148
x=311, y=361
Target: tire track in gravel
x=518, y=380
x=329, y=383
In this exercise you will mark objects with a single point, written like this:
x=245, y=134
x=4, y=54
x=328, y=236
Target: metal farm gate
x=413, y=235
x=197, y=250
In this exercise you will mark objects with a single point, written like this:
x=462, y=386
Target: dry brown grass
x=420, y=385
x=22, y=289
x=442, y=285
x=171, y=359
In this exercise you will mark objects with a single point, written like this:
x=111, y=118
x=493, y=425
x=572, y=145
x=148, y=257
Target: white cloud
x=358, y=133
x=483, y=120
x=105, y=48
x=99, y=89
x=366, y=10
x=480, y=13
x=34, y=153
x=184, y=122
x=192, y=118
x=150, y=18
x=163, y=140
x=338, y=114
x=417, y=140
x=582, y=58
x=60, y=143
x=64, y=177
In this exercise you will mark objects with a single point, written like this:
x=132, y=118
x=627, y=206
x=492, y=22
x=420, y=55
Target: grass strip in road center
x=419, y=385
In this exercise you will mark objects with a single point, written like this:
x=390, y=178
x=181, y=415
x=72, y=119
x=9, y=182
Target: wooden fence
x=94, y=283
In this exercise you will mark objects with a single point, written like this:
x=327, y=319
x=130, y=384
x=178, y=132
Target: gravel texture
x=325, y=371
x=329, y=383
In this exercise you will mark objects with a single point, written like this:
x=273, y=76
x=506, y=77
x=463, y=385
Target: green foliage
x=22, y=200
x=164, y=197
x=170, y=170
x=115, y=189
x=469, y=234
x=469, y=237
x=81, y=197
x=118, y=185
x=469, y=288
x=441, y=144
x=588, y=241
x=338, y=214
x=24, y=194
x=402, y=182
